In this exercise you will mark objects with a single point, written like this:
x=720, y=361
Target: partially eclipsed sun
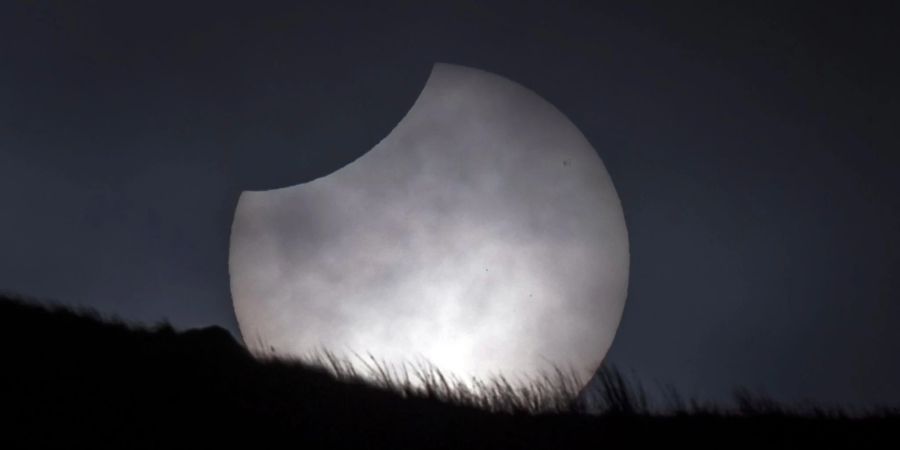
x=483, y=234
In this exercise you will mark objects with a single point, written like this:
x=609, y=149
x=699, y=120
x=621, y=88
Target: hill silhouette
x=74, y=379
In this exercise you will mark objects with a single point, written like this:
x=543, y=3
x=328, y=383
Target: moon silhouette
x=483, y=234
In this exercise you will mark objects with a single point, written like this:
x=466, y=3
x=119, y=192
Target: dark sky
x=754, y=148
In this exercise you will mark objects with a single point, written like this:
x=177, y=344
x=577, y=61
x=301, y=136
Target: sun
x=482, y=235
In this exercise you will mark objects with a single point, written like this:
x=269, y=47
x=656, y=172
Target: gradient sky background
x=754, y=148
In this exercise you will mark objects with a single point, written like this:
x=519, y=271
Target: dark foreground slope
x=72, y=380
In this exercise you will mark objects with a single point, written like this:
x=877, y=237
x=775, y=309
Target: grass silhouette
x=552, y=392
x=76, y=379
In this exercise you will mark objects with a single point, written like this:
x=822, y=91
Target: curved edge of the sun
x=429, y=84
